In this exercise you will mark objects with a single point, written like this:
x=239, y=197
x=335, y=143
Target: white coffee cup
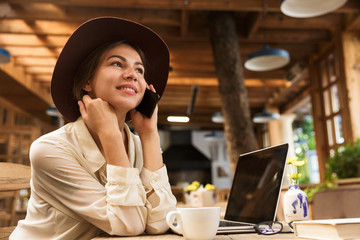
x=195, y=223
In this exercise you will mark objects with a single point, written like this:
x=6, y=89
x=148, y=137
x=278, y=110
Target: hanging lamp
x=309, y=8
x=265, y=117
x=217, y=117
x=4, y=56
x=52, y=111
x=267, y=59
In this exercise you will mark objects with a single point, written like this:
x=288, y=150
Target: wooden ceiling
x=34, y=32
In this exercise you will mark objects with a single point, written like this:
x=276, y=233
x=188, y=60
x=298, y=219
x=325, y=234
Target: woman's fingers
x=152, y=88
x=86, y=99
x=82, y=109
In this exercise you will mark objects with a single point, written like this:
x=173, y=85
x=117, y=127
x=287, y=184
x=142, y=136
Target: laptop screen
x=256, y=185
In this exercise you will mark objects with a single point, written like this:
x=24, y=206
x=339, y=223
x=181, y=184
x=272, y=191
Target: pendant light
x=4, y=56
x=309, y=8
x=267, y=59
x=217, y=117
x=265, y=117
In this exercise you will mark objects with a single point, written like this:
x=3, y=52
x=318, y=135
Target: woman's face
x=119, y=78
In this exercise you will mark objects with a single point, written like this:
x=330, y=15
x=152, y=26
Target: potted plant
x=329, y=183
x=344, y=163
x=346, y=160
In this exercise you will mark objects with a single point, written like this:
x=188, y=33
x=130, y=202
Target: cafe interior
x=294, y=63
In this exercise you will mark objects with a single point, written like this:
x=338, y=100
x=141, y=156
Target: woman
x=93, y=174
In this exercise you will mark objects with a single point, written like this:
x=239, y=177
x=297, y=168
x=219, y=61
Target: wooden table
x=242, y=236
x=14, y=176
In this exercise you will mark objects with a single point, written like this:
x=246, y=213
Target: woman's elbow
x=135, y=230
x=157, y=228
x=132, y=230
x=127, y=228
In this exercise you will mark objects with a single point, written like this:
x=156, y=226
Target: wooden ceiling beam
x=39, y=70
x=18, y=88
x=288, y=36
x=281, y=21
x=12, y=24
x=354, y=25
x=36, y=35
x=249, y=82
x=218, y=5
x=254, y=24
x=43, y=78
x=21, y=51
x=52, y=12
x=38, y=27
x=20, y=76
x=31, y=40
x=184, y=23
x=278, y=36
x=36, y=61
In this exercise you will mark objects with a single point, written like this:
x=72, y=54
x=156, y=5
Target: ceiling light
x=267, y=59
x=309, y=8
x=217, y=117
x=182, y=119
x=4, y=56
x=52, y=111
x=265, y=117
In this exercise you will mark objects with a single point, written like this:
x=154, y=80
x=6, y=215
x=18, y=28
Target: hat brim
x=94, y=33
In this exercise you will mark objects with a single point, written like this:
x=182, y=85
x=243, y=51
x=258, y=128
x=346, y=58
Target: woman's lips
x=131, y=90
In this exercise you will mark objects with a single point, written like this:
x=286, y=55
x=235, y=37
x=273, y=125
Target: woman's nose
x=130, y=74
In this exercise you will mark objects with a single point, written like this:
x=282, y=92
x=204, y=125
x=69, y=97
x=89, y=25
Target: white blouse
x=76, y=195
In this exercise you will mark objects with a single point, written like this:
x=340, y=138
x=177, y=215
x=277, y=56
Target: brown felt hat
x=93, y=34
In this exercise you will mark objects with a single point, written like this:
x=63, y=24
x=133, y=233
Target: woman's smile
x=128, y=89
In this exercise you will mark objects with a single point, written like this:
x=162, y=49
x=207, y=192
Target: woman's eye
x=117, y=64
x=140, y=70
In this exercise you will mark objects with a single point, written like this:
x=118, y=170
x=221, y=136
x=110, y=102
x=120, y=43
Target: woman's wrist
x=149, y=136
x=152, y=152
x=110, y=135
x=113, y=148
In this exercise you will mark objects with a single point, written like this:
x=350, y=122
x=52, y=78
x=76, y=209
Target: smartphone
x=148, y=103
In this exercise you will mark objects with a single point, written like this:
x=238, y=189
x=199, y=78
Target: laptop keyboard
x=232, y=224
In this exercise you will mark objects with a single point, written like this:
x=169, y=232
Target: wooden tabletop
x=242, y=236
x=14, y=176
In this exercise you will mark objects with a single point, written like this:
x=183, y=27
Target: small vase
x=296, y=205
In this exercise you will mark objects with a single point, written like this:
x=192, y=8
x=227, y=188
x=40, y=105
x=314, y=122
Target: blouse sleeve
x=119, y=208
x=160, y=202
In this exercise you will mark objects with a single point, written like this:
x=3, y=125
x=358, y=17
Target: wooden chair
x=13, y=177
x=8, y=207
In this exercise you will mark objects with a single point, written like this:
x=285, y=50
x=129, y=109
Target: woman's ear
x=87, y=87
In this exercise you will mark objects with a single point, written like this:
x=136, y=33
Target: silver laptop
x=255, y=190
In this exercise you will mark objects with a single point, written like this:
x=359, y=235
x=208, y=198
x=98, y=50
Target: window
x=330, y=82
x=329, y=101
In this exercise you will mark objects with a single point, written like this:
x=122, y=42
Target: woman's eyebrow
x=124, y=59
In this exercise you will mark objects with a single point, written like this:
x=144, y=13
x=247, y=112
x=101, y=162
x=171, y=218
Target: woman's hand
x=149, y=136
x=98, y=115
x=102, y=122
x=142, y=124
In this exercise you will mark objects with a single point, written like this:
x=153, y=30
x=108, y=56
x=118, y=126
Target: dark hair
x=89, y=65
